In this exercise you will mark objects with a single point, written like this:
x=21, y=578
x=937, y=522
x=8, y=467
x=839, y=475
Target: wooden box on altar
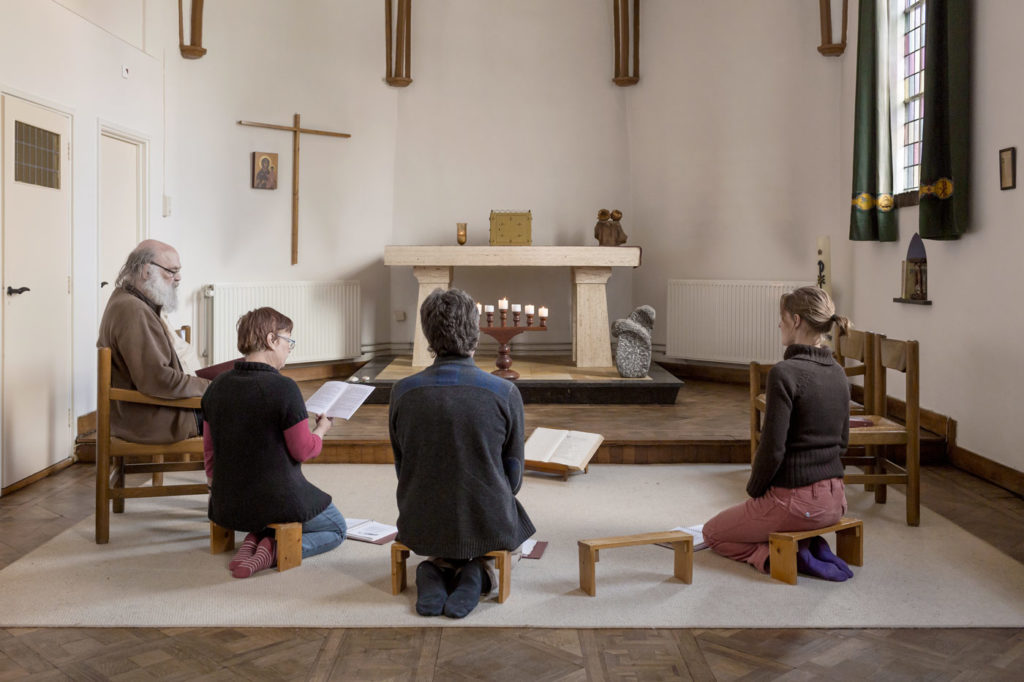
x=511, y=228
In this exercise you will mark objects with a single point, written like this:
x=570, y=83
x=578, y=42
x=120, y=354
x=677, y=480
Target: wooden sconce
x=400, y=60
x=620, y=10
x=828, y=47
x=195, y=49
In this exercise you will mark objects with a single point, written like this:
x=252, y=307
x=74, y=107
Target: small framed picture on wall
x=1008, y=168
x=264, y=170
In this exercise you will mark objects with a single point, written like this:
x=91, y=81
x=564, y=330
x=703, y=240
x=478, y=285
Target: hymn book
x=338, y=399
x=561, y=451
x=367, y=530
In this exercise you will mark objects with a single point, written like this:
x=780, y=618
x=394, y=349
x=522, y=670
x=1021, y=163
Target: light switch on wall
x=399, y=316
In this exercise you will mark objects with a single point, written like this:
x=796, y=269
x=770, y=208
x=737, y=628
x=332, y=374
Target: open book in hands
x=571, y=449
x=338, y=399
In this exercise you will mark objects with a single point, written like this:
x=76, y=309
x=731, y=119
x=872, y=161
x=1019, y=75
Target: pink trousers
x=741, y=532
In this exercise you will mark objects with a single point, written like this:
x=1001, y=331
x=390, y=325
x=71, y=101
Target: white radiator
x=725, y=320
x=326, y=317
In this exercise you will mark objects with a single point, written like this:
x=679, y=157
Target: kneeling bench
x=782, y=547
x=502, y=559
x=682, y=544
x=287, y=535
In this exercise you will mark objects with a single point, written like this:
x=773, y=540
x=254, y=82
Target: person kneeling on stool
x=796, y=480
x=457, y=437
x=255, y=437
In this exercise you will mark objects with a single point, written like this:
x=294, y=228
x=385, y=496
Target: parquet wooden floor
x=33, y=515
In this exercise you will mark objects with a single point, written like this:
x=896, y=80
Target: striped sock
x=265, y=556
x=244, y=552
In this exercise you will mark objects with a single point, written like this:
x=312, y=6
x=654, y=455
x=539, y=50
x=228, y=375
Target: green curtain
x=872, y=214
x=946, y=128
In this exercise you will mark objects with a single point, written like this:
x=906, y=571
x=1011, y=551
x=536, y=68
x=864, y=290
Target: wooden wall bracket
x=621, y=36
x=399, y=61
x=195, y=49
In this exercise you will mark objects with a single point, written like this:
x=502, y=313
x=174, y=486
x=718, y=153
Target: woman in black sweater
x=255, y=437
x=796, y=480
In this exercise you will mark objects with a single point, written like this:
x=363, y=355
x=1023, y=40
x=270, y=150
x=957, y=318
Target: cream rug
x=157, y=570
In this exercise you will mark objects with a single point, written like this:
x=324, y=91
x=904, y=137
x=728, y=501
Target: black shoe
x=466, y=594
x=431, y=594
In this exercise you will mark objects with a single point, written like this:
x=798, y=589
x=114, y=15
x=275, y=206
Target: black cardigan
x=255, y=481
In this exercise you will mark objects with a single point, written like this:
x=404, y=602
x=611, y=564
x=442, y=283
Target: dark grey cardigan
x=457, y=436
x=806, y=422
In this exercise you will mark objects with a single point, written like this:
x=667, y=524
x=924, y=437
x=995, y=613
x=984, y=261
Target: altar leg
x=591, y=336
x=429, y=277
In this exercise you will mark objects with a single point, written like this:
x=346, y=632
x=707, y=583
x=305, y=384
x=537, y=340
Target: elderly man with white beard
x=145, y=355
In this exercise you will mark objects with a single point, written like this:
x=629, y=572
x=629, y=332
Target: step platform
x=543, y=379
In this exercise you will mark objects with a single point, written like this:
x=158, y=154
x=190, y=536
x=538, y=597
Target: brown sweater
x=142, y=358
x=806, y=422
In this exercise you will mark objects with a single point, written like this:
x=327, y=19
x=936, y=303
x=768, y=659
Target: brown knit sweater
x=806, y=422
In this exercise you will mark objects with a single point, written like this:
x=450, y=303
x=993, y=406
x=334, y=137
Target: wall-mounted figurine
x=608, y=231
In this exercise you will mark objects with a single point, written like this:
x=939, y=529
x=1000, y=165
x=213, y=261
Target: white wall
x=512, y=107
x=971, y=369
x=734, y=144
x=56, y=58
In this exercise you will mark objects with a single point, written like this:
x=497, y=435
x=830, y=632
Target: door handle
x=20, y=290
x=103, y=284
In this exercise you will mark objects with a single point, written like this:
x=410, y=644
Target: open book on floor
x=338, y=399
x=367, y=530
x=698, y=536
x=561, y=451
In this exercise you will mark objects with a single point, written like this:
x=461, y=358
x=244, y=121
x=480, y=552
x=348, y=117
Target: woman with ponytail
x=796, y=480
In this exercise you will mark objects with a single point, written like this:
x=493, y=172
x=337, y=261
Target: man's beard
x=161, y=292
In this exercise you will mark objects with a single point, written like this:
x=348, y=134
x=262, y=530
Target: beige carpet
x=157, y=571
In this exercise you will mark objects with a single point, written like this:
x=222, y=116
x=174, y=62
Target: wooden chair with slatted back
x=859, y=347
x=117, y=458
x=902, y=357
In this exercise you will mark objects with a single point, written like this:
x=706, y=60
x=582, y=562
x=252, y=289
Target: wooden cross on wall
x=296, y=130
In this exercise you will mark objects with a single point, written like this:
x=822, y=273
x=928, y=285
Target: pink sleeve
x=207, y=450
x=302, y=444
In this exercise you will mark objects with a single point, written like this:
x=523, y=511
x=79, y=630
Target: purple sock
x=822, y=552
x=808, y=565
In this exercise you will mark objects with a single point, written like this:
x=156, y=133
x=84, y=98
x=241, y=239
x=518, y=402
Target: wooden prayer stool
x=502, y=559
x=682, y=545
x=288, y=536
x=783, y=546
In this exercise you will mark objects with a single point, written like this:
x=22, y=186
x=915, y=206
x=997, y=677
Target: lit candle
x=488, y=308
x=479, y=308
x=502, y=304
x=516, y=307
x=529, y=309
x=543, y=312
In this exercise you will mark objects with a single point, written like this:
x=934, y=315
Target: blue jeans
x=323, y=532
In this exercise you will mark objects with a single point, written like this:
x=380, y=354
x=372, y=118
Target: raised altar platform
x=543, y=379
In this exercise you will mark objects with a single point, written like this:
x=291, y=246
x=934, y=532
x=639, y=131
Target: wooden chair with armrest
x=117, y=458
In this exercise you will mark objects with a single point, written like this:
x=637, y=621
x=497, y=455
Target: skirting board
x=984, y=468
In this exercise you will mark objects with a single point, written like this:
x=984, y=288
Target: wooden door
x=37, y=344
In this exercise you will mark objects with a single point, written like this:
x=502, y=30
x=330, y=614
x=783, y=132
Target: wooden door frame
x=141, y=142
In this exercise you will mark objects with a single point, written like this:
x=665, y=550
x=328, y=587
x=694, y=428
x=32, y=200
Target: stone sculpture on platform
x=633, y=351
